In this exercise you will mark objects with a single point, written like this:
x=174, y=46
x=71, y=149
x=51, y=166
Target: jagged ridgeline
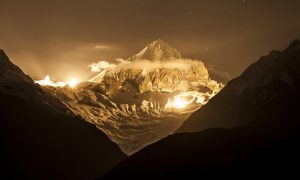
x=143, y=98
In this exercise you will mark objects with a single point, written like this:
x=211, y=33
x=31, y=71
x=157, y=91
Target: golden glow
x=180, y=102
x=73, y=82
x=48, y=82
x=184, y=99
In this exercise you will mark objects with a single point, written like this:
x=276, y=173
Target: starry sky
x=62, y=37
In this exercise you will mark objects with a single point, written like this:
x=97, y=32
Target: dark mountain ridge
x=274, y=75
x=41, y=139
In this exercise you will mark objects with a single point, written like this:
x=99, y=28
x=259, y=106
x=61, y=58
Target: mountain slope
x=263, y=107
x=41, y=139
x=245, y=98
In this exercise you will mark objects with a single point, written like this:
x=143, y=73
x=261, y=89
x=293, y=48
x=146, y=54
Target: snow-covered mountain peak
x=157, y=50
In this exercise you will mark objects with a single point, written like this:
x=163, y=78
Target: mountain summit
x=157, y=50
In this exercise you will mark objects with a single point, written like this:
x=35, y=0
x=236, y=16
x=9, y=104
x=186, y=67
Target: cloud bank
x=101, y=65
x=183, y=64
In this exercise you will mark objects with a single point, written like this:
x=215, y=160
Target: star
x=141, y=3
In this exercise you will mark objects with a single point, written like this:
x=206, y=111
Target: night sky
x=62, y=38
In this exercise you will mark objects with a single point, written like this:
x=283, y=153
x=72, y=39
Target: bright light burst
x=73, y=82
x=48, y=82
x=180, y=103
x=184, y=99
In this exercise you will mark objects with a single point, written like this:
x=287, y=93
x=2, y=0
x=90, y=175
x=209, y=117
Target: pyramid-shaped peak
x=157, y=50
x=161, y=44
x=159, y=41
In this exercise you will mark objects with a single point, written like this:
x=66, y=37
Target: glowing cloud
x=147, y=65
x=102, y=47
x=101, y=65
x=47, y=82
x=184, y=99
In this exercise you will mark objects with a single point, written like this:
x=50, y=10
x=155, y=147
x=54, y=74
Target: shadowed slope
x=245, y=98
x=41, y=139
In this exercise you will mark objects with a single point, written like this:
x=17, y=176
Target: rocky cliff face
x=160, y=79
x=158, y=68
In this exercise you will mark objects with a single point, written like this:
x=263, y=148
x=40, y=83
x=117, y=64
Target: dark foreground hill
x=253, y=129
x=267, y=90
x=41, y=139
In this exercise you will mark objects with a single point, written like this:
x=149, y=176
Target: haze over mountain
x=253, y=129
x=134, y=101
x=61, y=37
x=41, y=138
